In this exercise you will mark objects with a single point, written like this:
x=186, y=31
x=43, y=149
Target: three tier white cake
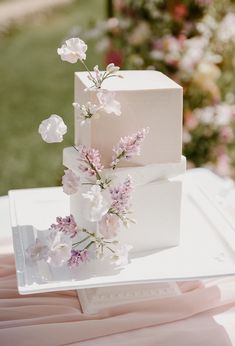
x=148, y=99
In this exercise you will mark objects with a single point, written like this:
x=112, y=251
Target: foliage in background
x=193, y=42
x=34, y=84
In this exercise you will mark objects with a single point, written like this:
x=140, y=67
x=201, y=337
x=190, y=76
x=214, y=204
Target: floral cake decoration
x=106, y=202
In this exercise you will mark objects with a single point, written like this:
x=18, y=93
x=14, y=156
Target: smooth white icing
x=133, y=80
x=158, y=107
x=148, y=99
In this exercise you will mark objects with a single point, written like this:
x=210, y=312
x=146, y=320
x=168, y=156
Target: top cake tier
x=148, y=99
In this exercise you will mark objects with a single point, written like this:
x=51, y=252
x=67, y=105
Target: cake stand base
x=94, y=300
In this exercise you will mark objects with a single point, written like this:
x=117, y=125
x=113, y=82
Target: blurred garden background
x=192, y=41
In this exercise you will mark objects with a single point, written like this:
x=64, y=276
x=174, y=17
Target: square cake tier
x=148, y=99
x=156, y=203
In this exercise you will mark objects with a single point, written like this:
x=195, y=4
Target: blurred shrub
x=193, y=42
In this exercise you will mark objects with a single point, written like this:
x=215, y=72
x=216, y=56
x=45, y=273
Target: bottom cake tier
x=156, y=204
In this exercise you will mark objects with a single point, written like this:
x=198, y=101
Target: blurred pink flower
x=226, y=134
x=191, y=121
x=223, y=164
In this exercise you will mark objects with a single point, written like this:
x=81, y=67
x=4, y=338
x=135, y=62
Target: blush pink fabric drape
x=203, y=315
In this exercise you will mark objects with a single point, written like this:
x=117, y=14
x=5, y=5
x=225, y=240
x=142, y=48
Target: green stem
x=88, y=184
x=92, y=78
x=81, y=241
x=119, y=158
x=85, y=248
x=110, y=249
x=87, y=232
x=98, y=177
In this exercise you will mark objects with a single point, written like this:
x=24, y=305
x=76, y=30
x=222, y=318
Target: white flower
x=139, y=34
x=186, y=137
x=73, y=50
x=87, y=111
x=205, y=115
x=224, y=114
x=37, y=251
x=226, y=30
x=95, y=205
x=194, y=51
x=60, y=246
x=111, y=68
x=52, y=129
x=108, y=103
x=207, y=70
x=98, y=75
x=121, y=254
x=71, y=182
x=219, y=115
x=109, y=226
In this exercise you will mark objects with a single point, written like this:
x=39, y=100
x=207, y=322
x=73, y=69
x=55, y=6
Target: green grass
x=34, y=84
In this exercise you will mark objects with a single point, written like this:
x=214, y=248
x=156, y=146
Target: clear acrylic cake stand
x=207, y=248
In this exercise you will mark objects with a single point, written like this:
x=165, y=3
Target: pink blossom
x=121, y=196
x=78, y=257
x=90, y=160
x=128, y=146
x=226, y=134
x=71, y=182
x=109, y=226
x=66, y=225
x=191, y=121
x=223, y=165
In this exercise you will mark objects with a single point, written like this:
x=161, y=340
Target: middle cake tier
x=156, y=202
